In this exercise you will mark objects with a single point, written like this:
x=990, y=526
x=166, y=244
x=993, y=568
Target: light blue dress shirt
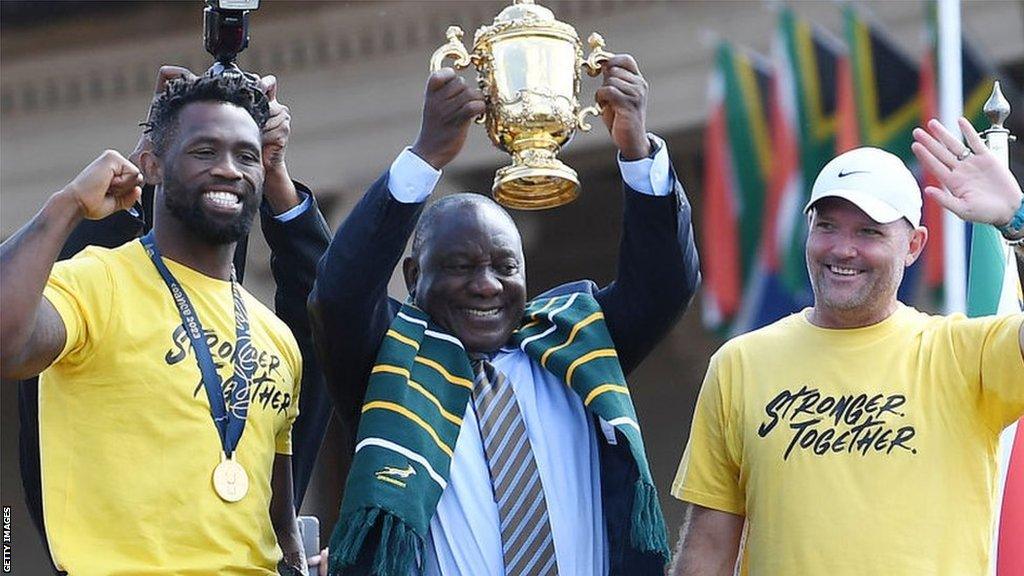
x=294, y=212
x=465, y=537
x=411, y=179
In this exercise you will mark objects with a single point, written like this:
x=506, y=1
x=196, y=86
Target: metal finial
x=996, y=107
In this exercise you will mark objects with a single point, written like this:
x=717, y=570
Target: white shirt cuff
x=649, y=175
x=411, y=179
x=294, y=212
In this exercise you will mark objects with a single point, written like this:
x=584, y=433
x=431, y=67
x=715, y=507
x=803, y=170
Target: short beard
x=191, y=215
x=876, y=292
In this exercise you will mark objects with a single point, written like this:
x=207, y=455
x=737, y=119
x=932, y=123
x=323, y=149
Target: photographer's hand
x=321, y=562
x=163, y=76
x=278, y=188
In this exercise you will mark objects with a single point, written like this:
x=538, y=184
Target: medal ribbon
x=229, y=417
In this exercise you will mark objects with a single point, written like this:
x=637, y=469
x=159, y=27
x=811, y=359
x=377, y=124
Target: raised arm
x=31, y=331
x=977, y=187
x=296, y=245
x=658, y=270
x=349, y=308
x=291, y=222
x=298, y=236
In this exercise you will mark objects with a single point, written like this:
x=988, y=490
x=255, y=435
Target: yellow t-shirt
x=127, y=443
x=863, y=451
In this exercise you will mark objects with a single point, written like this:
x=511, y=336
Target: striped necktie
x=526, y=540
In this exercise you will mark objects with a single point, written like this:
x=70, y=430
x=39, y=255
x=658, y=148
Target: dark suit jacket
x=295, y=248
x=658, y=274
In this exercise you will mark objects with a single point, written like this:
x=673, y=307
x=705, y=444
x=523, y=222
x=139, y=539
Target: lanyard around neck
x=228, y=417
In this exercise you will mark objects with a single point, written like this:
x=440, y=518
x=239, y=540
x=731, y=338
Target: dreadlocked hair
x=180, y=92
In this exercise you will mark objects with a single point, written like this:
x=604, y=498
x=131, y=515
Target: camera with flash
x=226, y=32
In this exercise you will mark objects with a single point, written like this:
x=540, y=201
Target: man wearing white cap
x=859, y=436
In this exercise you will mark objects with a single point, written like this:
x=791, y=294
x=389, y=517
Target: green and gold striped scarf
x=420, y=386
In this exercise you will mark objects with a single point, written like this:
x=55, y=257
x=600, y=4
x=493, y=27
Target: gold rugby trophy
x=528, y=65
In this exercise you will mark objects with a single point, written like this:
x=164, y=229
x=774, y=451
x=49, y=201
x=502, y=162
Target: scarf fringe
x=396, y=551
x=647, y=526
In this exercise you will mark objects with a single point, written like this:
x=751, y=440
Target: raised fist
x=110, y=183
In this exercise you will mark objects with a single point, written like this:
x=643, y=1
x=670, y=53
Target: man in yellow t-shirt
x=859, y=436
x=134, y=421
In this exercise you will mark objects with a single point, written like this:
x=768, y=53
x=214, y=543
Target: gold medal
x=230, y=481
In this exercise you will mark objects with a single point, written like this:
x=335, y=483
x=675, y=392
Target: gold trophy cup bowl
x=528, y=67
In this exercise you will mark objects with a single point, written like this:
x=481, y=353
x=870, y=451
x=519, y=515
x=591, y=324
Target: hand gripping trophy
x=528, y=66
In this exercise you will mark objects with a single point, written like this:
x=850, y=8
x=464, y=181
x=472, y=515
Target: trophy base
x=535, y=188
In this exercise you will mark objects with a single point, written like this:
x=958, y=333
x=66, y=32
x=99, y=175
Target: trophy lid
x=525, y=10
x=524, y=15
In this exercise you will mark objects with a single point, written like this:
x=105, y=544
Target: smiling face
x=469, y=274
x=213, y=171
x=856, y=264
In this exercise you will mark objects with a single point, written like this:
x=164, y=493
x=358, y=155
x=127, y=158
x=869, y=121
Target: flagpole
x=1008, y=557
x=951, y=107
x=997, y=137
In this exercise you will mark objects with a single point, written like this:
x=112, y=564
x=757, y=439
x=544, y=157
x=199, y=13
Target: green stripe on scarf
x=418, y=391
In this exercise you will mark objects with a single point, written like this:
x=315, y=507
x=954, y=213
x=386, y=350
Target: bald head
x=449, y=205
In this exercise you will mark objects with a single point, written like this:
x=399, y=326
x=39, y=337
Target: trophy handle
x=454, y=48
x=598, y=56
x=581, y=117
x=460, y=57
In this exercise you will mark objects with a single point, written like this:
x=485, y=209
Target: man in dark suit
x=533, y=485
x=297, y=235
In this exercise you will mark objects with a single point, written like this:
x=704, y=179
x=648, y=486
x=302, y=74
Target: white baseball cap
x=876, y=181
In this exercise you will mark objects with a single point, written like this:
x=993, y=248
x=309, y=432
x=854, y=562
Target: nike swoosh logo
x=845, y=174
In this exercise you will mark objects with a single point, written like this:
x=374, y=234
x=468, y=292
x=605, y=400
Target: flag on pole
x=737, y=163
x=977, y=78
x=879, y=102
x=931, y=212
x=993, y=288
x=884, y=104
x=803, y=128
x=847, y=128
x=1009, y=552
